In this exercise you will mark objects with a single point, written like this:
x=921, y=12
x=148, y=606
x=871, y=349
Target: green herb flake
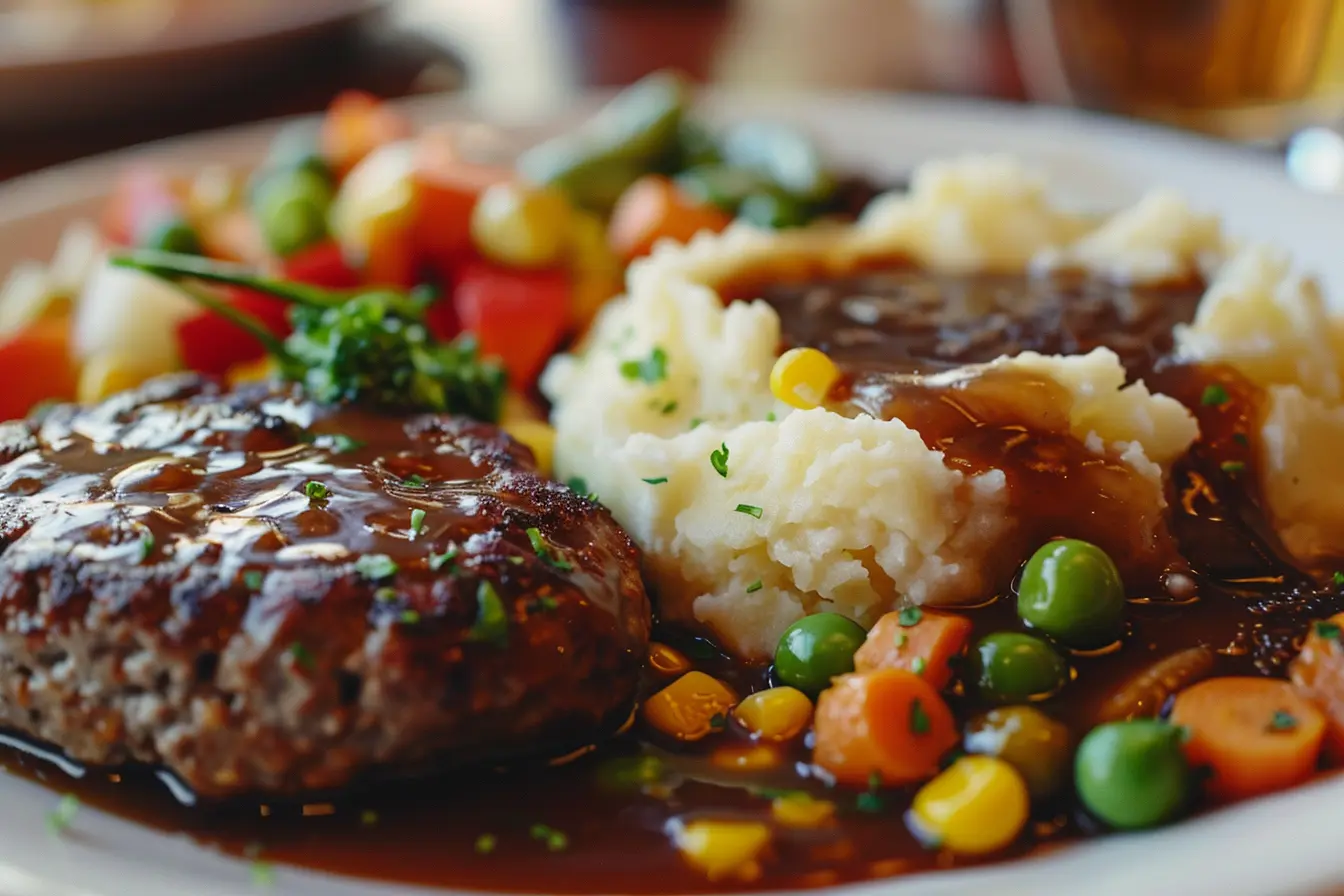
x=409, y=617
x=447, y=558
x=316, y=491
x=492, y=621
x=385, y=595
x=253, y=579
x=1282, y=720
x=577, y=484
x=1338, y=577
x=770, y=417
x=718, y=459
x=1327, y=630
x=485, y=844
x=669, y=408
x=1241, y=439
x=650, y=370
x=546, y=552
x=656, y=480
x=696, y=421
x=263, y=873
x=919, y=719
x=909, y=617
x=302, y=657
x=60, y=818
x=146, y=546
x=917, y=665
x=415, y=480
x=1214, y=396
x=368, y=818
x=870, y=803
x=340, y=443
x=1232, y=467
x=555, y=840
x=375, y=567
x=750, y=510
x=544, y=603
x=718, y=722
x=755, y=586
x=417, y=521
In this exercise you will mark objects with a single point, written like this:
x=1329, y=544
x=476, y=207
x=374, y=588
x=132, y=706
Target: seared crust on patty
x=172, y=591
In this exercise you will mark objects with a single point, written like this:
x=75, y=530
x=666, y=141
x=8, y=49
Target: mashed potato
x=818, y=511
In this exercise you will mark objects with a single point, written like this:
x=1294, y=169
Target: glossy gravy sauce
x=1241, y=603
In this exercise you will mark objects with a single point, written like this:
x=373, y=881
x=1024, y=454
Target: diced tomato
x=35, y=365
x=321, y=265
x=517, y=316
x=212, y=344
x=143, y=198
x=357, y=123
x=446, y=189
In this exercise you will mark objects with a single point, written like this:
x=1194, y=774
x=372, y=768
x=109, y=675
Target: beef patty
x=264, y=595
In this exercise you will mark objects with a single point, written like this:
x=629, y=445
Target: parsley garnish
x=544, y=602
x=755, y=586
x=545, y=552
x=910, y=616
x=1232, y=467
x=409, y=617
x=146, y=546
x=1338, y=577
x=656, y=480
x=263, y=874
x=718, y=722
x=1214, y=396
x=749, y=510
x=919, y=719
x=253, y=579
x=492, y=621
x=577, y=484
x=718, y=459
x=652, y=369
x=438, y=561
x=316, y=491
x=670, y=407
x=770, y=417
x=415, y=480
x=871, y=802
x=1240, y=438
x=1327, y=630
x=302, y=657
x=555, y=840
x=385, y=595
x=696, y=421
x=343, y=444
x=485, y=844
x=1282, y=720
x=376, y=566
x=417, y=521
x=917, y=665
x=60, y=818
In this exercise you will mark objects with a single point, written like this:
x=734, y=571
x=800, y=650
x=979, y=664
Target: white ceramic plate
x=1283, y=845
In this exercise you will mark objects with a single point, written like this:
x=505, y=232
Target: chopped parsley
x=718, y=722
x=871, y=801
x=60, y=818
x=1282, y=720
x=555, y=840
x=439, y=561
x=696, y=421
x=1327, y=630
x=485, y=844
x=253, y=579
x=302, y=657
x=146, y=546
x=1214, y=396
x=409, y=617
x=368, y=818
x=1240, y=438
x=415, y=480
x=544, y=602
x=577, y=484
x=749, y=510
x=718, y=459
x=376, y=566
x=545, y=552
x=385, y=595
x=343, y=444
x=650, y=370
x=492, y=622
x=417, y=521
x=263, y=874
x=919, y=719
x=917, y=665
x=1232, y=467
x=910, y=617
x=1338, y=577
x=770, y=417
x=755, y=586
x=656, y=480
x=316, y=491
x=670, y=407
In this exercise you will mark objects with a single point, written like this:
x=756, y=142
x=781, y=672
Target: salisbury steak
x=265, y=595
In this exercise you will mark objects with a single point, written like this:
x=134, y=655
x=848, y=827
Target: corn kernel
x=667, y=660
x=977, y=805
x=802, y=377
x=108, y=373
x=540, y=437
x=690, y=707
x=258, y=371
x=521, y=226
x=802, y=810
x=775, y=714
x=723, y=849
x=747, y=757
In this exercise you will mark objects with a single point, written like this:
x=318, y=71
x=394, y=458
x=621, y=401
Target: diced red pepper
x=143, y=198
x=35, y=365
x=212, y=344
x=321, y=265
x=446, y=189
x=517, y=316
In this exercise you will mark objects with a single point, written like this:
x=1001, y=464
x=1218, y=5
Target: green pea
x=773, y=210
x=291, y=209
x=1027, y=739
x=817, y=648
x=721, y=185
x=172, y=235
x=785, y=156
x=1133, y=774
x=1072, y=591
x=1017, y=668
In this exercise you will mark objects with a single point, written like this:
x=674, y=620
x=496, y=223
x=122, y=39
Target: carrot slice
x=651, y=209
x=924, y=645
x=1256, y=735
x=1318, y=672
x=888, y=722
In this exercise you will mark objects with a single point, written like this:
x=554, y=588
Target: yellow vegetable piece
x=518, y=406
x=598, y=273
x=747, y=757
x=538, y=436
x=108, y=373
x=802, y=810
x=667, y=660
x=802, y=377
x=521, y=226
x=258, y=371
x=776, y=713
x=377, y=195
x=723, y=849
x=690, y=707
x=977, y=805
